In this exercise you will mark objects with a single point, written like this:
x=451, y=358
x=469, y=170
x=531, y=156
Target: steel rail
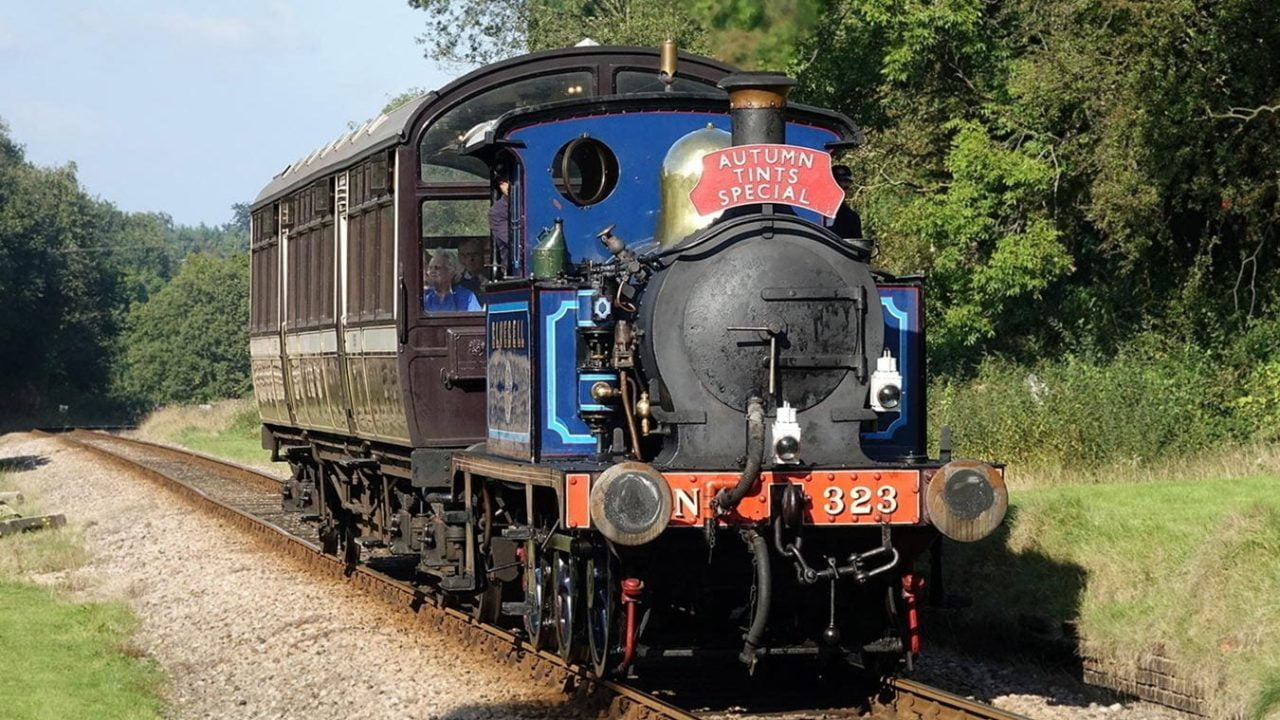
x=900, y=698
x=910, y=700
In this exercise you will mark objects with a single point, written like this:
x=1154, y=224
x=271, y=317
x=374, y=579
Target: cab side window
x=455, y=251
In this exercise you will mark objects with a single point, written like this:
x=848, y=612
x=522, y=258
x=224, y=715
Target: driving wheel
x=538, y=589
x=565, y=605
x=603, y=610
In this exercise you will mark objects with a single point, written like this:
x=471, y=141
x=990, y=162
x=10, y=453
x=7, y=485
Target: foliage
x=467, y=32
x=1259, y=405
x=1043, y=159
x=752, y=33
x=189, y=343
x=1154, y=399
x=63, y=294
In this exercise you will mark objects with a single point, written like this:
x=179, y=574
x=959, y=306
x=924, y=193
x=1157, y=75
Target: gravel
x=243, y=634
x=1030, y=690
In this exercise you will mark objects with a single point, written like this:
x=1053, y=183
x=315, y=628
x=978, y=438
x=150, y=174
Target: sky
x=187, y=108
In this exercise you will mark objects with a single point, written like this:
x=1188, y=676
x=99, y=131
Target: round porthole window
x=585, y=171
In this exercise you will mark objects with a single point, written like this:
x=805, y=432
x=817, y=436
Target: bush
x=189, y=343
x=1258, y=409
x=1154, y=399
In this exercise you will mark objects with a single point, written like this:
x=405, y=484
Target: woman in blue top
x=441, y=295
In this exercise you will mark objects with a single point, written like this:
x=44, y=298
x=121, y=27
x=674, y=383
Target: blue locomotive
x=574, y=334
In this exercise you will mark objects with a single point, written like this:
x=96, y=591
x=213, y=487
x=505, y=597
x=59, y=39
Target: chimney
x=756, y=104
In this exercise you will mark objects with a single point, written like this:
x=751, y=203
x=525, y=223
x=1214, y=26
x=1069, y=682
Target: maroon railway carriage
x=673, y=351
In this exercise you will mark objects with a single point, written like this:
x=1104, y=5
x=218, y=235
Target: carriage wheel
x=602, y=610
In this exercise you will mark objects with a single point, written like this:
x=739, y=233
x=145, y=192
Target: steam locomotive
x=689, y=419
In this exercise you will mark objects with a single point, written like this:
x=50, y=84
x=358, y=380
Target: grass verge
x=62, y=659
x=1188, y=563
x=229, y=429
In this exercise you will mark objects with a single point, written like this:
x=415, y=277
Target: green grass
x=230, y=429
x=45, y=551
x=1191, y=564
x=60, y=659
x=63, y=660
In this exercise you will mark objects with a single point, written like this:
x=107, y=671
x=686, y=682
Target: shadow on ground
x=22, y=463
x=1012, y=607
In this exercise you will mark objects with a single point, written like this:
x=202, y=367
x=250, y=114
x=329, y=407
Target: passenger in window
x=441, y=295
x=500, y=221
x=471, y=253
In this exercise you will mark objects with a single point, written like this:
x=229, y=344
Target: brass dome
x=681, y=169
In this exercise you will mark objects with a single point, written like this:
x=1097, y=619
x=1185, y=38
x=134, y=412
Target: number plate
x=893, y=497
x=838, y=497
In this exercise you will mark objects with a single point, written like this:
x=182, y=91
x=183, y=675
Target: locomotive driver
x=471, y=253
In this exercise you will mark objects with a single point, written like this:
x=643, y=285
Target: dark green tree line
x=72, y=271
x=1071, y=172
x=63, y=304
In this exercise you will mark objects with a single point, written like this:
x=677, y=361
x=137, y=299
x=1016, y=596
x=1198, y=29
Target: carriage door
x=266, y=340
x=367, y=236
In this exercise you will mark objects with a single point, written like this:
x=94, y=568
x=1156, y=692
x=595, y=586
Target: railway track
x=250, y=499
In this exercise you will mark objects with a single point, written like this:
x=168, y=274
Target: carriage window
x=455, y=251
x=441, y=161
x=642, y=81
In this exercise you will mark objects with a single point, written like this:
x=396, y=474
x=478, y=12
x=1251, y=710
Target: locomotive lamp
x=886, y=384
x=786, y=436
x=631, y=503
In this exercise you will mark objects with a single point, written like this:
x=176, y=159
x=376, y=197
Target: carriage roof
x=395, y=127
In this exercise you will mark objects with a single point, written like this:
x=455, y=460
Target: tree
x=63, y=293
x=189, y=343
x=750, y=33
x=1069, y=171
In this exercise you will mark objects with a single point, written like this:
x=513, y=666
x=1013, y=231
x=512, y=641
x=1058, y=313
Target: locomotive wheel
x=538, y=589
x=565, y=605
x=602, y=610
x=488, y=603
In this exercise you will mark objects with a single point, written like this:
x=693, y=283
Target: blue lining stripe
x=508, y=307
x=891, y=307
x=553, y=420
x=508, y=435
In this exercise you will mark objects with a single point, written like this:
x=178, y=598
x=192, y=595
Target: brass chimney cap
x=757, y=89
